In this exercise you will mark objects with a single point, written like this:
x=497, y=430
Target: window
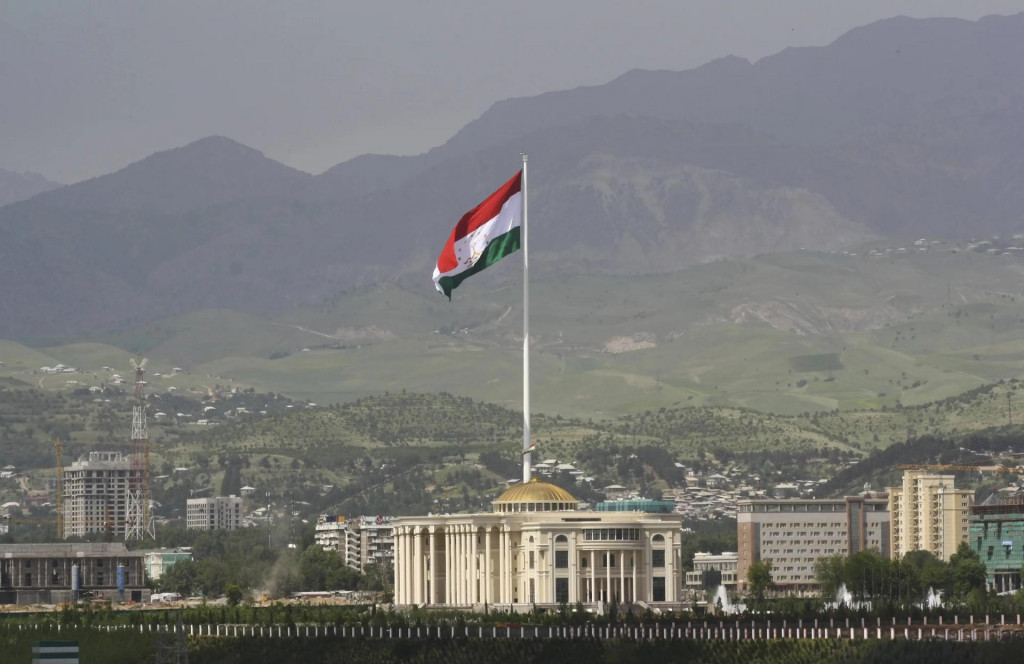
x=562, y=591
x=658, y=558
x=658, y=589
x=609, y=560
x=561, y=559
x=531, y=560
x=583, y=562
x=561, y=539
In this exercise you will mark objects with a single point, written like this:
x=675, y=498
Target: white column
x=506, y=571
x=608, y=575
x=574, y=575
x=622, y=576
x=513, y=573
x=407, y=568
x=456, y=565
x=648, y=569
x=449, y=564
x=399, y=565
x=632, y=559
x=474, y=593
x=550, y=591
x=432, y=597
x=488, y=572
x=463, y=556
x=670, y=567
x=417, y=575
x=463, y=566
x=501, y=564
x=593, y=577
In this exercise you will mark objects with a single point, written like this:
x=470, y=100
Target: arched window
x=658, y=538
x=561, y=539
x=531, y=539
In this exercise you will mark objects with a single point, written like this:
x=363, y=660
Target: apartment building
x=361, y=542
x=96, y=495
x=215, y=513
x=335, y=533
x=794, y=533
x=376, y=541
x=928, y=514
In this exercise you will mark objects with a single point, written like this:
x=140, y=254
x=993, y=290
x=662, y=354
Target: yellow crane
x=59, y=447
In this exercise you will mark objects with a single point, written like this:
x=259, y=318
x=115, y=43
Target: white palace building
x=536, y=548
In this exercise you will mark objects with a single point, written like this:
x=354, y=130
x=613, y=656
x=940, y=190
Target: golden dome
x=541, y=493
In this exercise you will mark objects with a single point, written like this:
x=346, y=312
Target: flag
x=529, y=449
x=483, y=236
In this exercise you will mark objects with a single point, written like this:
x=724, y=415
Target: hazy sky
x=88, y=87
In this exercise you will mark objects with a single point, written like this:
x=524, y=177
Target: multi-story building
x=997, y=535
x=55, y=573
x=361, y=542
x=794, y=533
x=376, y=541
x=215, y=513
x=537, y=548
x=713, y=569
x=928, y=514
x=334, y=533
x=96, y=495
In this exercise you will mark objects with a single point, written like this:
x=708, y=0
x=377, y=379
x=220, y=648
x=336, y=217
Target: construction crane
x=59, y=448
x=1013, y=470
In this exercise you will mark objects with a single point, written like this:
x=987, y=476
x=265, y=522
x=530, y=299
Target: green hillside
x=782, y=333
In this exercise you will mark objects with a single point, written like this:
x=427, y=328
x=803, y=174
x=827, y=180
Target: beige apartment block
x=928, y=514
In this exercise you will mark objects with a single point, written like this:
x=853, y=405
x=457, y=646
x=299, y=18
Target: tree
x=181, y=578
x=325, y=570
x=233, y=593
x=967, y=572
x=924, y=572
x=829, y=572
x=866, y=573
x=759, y=575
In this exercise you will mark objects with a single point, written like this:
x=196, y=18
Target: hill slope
x=906, y=127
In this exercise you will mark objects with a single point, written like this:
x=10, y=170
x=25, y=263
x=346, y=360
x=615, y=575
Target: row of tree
x=867, y=576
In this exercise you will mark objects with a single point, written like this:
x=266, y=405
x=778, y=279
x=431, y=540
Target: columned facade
x=535, y=548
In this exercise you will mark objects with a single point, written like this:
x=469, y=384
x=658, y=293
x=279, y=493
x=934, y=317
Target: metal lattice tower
x=139, y=522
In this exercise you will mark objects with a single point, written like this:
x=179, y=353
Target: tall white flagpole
x=526, y=336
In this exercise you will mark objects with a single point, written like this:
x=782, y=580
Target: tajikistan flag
x=483, y=236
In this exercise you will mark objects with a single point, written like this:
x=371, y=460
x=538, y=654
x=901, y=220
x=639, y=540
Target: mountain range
x=16, y=187
x=903, y=128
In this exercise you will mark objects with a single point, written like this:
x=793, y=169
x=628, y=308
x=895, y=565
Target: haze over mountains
x=16, y=187
x=902, y=128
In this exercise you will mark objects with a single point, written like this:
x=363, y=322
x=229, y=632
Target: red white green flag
x=483, y=236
